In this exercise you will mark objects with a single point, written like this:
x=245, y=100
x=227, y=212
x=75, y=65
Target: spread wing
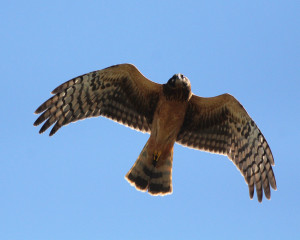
x=119, y=92
x=221, y=125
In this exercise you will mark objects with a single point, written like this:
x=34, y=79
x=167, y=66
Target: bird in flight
x=171, y=113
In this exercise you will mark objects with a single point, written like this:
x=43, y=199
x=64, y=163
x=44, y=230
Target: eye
x=172, y=82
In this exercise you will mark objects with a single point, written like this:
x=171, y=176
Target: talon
x=156, y=156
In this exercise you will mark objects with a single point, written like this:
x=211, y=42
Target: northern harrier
x=170, y=113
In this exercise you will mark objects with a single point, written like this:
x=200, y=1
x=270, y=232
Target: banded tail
x=152, y=172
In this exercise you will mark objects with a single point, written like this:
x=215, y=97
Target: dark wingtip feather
x=259, y=194
x=41, y=119
x=268, y=196
x=58, y=89
x=61, y=87
x=42, y=130
x=67, y=84
x=46, y=125
x=46, y=104
x=273, y=184
x=259, y=197
x=56, y=127
x=36, y=123
x=40, y=109
x=251, y=191
x=267, y=192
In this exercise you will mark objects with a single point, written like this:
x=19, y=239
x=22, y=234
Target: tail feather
x=147, y=174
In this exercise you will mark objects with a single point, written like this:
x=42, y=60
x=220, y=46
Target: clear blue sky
x=72, y=186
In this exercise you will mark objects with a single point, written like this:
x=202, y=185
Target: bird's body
x=153, y=169
x=170, y=113
x=167, y=123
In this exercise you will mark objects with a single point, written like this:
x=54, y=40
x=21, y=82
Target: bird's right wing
x=119, y=92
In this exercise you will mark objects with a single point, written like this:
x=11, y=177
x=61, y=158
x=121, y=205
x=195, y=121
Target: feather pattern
x=120, y=93
x=222, y=125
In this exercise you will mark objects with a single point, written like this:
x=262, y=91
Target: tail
x=152, y=172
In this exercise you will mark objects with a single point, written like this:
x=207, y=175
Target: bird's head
x=178, y=88
x=178, y=81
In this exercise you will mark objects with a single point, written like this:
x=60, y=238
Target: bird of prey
x=171, y=113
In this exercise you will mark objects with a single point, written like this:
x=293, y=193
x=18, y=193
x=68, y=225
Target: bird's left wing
x=119, y=92
x=221, y=125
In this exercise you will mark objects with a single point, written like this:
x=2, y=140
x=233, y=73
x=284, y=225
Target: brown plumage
x=170, y=113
